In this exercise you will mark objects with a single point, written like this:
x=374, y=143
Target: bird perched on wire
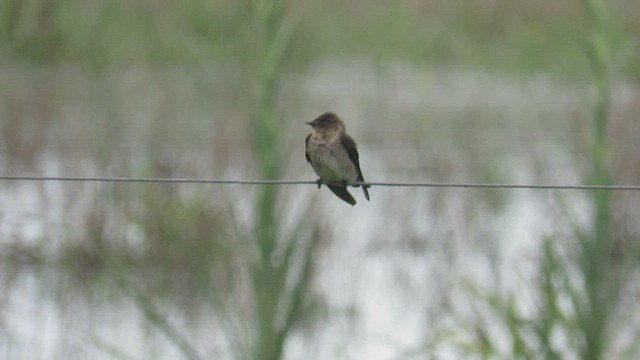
x=334, y=156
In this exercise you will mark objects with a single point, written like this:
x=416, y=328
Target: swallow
x=333, y=155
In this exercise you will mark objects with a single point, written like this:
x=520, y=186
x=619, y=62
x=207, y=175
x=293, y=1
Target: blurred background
x=495, y=91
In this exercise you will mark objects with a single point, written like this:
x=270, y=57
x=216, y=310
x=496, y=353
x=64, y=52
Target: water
x=394, y=275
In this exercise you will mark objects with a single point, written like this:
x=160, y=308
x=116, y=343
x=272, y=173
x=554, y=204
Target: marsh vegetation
x=499, y=92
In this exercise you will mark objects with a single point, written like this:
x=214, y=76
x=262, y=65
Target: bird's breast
x=331, y=162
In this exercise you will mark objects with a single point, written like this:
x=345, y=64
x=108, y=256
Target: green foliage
x=582, y=268
x=278, y=302
x=519, y=37
x=595, y=262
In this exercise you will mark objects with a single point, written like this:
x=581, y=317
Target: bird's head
x=326, y=123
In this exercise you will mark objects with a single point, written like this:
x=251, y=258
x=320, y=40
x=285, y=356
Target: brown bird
x=334, y=156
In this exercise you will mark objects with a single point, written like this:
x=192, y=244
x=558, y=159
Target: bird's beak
x=309, y=123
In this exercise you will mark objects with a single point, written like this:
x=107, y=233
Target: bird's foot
x=319, y=182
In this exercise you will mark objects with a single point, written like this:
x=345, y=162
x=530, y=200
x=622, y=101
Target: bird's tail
x=366, y=192
x=343, y=193
x=364, y=188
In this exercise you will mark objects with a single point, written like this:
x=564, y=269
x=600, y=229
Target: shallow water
x=393, y=276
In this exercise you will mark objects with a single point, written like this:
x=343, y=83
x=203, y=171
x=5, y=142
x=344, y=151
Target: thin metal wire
x=303, y=182
x=153, y=180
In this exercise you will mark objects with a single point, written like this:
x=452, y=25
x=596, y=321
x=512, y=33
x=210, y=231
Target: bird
x=333, y=155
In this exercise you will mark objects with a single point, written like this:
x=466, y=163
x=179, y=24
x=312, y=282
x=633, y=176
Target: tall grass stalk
x=594, y=311
x=595, y=298
x=590, y=278
x=283, y=269
x=265, y=128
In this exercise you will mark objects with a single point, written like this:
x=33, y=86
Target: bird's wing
x=352, y=149
x=306, y=148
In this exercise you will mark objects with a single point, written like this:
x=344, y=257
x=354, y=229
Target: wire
x=302, y=182
x=154, y=180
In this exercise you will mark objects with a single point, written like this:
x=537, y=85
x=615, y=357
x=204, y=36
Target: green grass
x=581, y=267
x=519, y=37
